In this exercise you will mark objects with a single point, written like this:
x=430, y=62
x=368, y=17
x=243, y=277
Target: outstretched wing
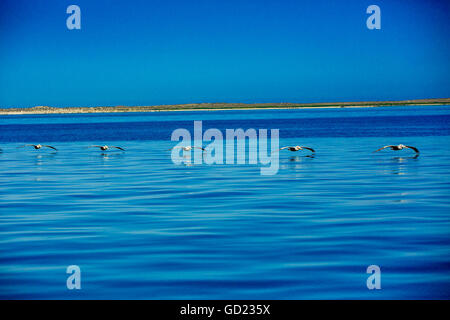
x=118, y=148
x=25, y=145
x=414, y=148
x=200, y=148
x=95, y=146
x=382, y=148
x=285, y=147
x=310, y=149
x=50, y=147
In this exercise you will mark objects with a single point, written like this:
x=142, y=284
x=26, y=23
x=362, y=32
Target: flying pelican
x=297, y=148
x=38, y=146
x=104, y=148
x=187, y=148
x=399, y=147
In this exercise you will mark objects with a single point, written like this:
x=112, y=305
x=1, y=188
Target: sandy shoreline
x=219, y=107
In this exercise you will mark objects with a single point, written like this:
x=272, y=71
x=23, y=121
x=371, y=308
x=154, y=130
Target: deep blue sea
x=141, y=227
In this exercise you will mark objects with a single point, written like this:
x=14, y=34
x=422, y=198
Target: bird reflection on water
x=296, y=162
x=111, y=155
x=400, y=165
x=41, y=158
x=301, y=158
x=404, y=159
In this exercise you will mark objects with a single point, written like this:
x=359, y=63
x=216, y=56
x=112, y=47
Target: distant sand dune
x=219, y=106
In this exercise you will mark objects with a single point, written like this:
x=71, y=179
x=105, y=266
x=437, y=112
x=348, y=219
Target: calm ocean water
x=141, y=227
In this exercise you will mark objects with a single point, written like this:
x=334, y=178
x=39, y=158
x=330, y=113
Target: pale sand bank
x=220, y=106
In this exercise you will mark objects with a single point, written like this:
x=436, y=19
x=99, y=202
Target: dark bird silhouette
x=187, y=148
x=104, y=148
x=398, y=147
x=298, y=148
x=38, y=146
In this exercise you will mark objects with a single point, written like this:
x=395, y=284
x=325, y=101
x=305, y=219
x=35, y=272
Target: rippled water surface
x=141, y=227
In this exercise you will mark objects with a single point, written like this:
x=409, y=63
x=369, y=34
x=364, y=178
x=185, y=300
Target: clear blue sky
x=169, y=51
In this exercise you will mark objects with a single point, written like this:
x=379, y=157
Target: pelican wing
x=414, y=148
x=95, y=146
x=26, y=145
x=310, y=149
x=285, y=147
x=200, y=148
x=50, y=147
x=382, y=148
x=118, y=148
